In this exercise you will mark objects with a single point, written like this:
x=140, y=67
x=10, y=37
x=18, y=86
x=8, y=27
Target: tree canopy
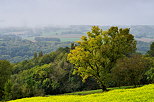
x=96, y=54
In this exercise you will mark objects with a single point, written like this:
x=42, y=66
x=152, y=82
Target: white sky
x=76, y=12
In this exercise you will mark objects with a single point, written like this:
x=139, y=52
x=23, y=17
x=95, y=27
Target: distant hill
x=18, y=44
x=16, y=49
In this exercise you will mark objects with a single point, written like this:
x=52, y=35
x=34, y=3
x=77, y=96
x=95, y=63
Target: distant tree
x=35, y=55
x=130, y=70
x=151, y=51
x=5, y=72
x=98, y=52
x=40, y=54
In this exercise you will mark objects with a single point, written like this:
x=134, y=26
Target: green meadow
x=140, y=94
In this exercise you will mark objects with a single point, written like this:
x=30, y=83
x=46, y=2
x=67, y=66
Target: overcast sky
x=76, y=12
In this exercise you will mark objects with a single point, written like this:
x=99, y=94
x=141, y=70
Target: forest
x=100, y=60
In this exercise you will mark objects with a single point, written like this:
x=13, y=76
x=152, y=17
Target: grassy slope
x=141, y=94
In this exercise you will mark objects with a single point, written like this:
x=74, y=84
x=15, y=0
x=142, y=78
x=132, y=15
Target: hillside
x=16, y=49
x=93, y=65
x=141, y=94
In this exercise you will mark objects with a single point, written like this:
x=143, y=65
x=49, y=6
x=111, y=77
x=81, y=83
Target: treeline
x=43, y=75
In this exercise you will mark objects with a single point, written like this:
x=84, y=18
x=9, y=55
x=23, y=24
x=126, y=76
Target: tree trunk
x=103, y=87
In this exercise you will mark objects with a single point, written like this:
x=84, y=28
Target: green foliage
x=151, y=51
x=150, y=75
x=44, y=75
x=40, y=54
x=7, y=90
x=130, y=70
x=98, y=52
x=38, y=61
x=30, y=82
x=5, y=72
x=35, y=55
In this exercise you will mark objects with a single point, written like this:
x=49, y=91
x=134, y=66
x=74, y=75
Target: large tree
x=96, y=54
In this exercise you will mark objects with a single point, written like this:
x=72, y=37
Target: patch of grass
x=97, y=91
x=30, y=38
x=140, y=94
x=84, y=92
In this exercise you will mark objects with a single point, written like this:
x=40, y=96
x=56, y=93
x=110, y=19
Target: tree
x=97, y=53
x=130, y=70
x=5, y=72
x=35, y=54
x=151, y=51
x=40, y=54
x=150, y=75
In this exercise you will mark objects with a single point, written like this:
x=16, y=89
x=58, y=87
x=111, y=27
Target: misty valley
x=18, y=44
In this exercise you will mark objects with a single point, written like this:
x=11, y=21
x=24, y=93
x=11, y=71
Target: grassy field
x=140, y=94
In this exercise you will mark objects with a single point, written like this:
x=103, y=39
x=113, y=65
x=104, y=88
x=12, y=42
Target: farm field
x=140, y=94
x=145, y=39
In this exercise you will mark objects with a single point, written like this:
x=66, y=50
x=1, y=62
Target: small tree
x=35, y=54
x=40, y=54
x=97, y=53
x=151, y=51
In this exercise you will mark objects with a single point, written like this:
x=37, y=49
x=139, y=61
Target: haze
x=76, y=12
